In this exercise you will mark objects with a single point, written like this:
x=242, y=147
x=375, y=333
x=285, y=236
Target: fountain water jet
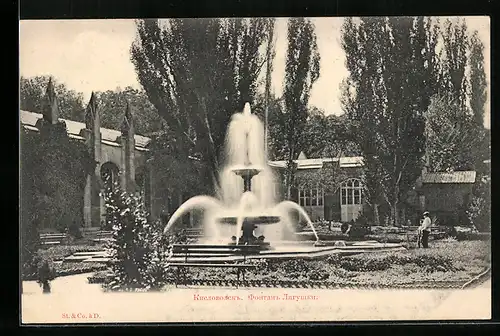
x=246, y=197
x=289, y=205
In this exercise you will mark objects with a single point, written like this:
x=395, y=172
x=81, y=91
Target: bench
x=52, y=239
x=192, y=232
x=193, y=250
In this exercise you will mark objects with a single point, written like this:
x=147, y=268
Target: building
x=113, y=151
x=344, y=203
x=444, y=195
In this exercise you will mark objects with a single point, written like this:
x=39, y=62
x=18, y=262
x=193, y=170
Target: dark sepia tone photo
x=255, y=169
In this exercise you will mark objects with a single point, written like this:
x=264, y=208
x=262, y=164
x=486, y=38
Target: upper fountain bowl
x=256, y=220
x=246, y=171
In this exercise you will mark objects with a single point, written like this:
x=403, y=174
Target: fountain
x=246, y=200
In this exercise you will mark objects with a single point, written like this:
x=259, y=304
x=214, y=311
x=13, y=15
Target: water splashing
x=246, y=195
x=289, y=205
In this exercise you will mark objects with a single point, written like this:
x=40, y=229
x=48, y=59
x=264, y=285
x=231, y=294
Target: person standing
x=425, y=228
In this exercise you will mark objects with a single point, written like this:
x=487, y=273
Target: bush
x=139, y=250
x=99, y=277
x=479, y=208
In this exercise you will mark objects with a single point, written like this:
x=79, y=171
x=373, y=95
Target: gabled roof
x=109, y=136
x=454, y=177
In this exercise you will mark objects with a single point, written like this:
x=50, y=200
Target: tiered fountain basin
x=255, y=220
x=291, y=250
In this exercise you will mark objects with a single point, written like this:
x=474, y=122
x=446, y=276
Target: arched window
x=109, y=175
x=351, y=192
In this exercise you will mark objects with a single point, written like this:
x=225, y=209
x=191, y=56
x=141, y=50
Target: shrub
x=479, y=207
x=318, y=275
x=139, y=250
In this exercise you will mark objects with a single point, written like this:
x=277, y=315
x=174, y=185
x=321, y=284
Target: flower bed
x=57, y=253
x=78, y=268
x=445, y=264
x=99, y=277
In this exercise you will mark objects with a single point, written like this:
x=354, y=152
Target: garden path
x=72, y=295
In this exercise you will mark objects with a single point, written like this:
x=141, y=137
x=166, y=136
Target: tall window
x=351, y=192
x=311, y=197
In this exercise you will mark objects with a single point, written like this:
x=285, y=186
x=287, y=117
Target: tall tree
x=32, y=95
x=477, y=79
x=270, y=53
x=383, y=98
x=454, y=62
x=197, y=73
x=301, y=71
x=359, y=101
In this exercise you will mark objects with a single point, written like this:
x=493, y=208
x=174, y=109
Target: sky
x=94, y=55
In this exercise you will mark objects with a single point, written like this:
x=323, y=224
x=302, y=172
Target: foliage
x=445, y=264
x=453, y=79
x=478, y=93
x=53, y=171
x=383, y=98
x=67, y=268
x=32, y=97
x=452, y=136
x=114, y=103
x=138, y=257
x=382, y=262
x=197, y=73
x=479, y=209
x=175, y=173
x=301, y=72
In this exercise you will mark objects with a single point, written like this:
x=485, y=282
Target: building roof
x=454, y=177
x=345, y=162
x=108, y=136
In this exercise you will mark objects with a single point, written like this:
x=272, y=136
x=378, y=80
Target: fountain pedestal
x=247, y=174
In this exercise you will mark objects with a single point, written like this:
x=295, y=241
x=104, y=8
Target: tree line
x=415, y=86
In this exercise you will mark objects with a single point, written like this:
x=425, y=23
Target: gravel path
x=74, y=301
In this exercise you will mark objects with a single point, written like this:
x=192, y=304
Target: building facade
x=444, y=195
x=120, y=156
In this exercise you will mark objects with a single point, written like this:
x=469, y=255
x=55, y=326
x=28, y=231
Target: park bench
x=185, y=251
x=52, y=239
x=103, y=236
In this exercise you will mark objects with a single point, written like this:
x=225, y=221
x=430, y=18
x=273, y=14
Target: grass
x=445, y=264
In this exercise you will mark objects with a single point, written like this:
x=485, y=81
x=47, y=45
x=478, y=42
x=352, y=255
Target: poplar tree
x=387, y=60
x=477, y=79
x=301, y=72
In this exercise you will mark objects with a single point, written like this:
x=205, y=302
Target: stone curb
x=478, y=279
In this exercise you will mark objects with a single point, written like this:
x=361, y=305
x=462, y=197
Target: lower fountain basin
x=256, y=220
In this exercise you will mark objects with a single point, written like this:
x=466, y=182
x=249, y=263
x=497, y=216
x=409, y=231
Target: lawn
x=446, y=264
